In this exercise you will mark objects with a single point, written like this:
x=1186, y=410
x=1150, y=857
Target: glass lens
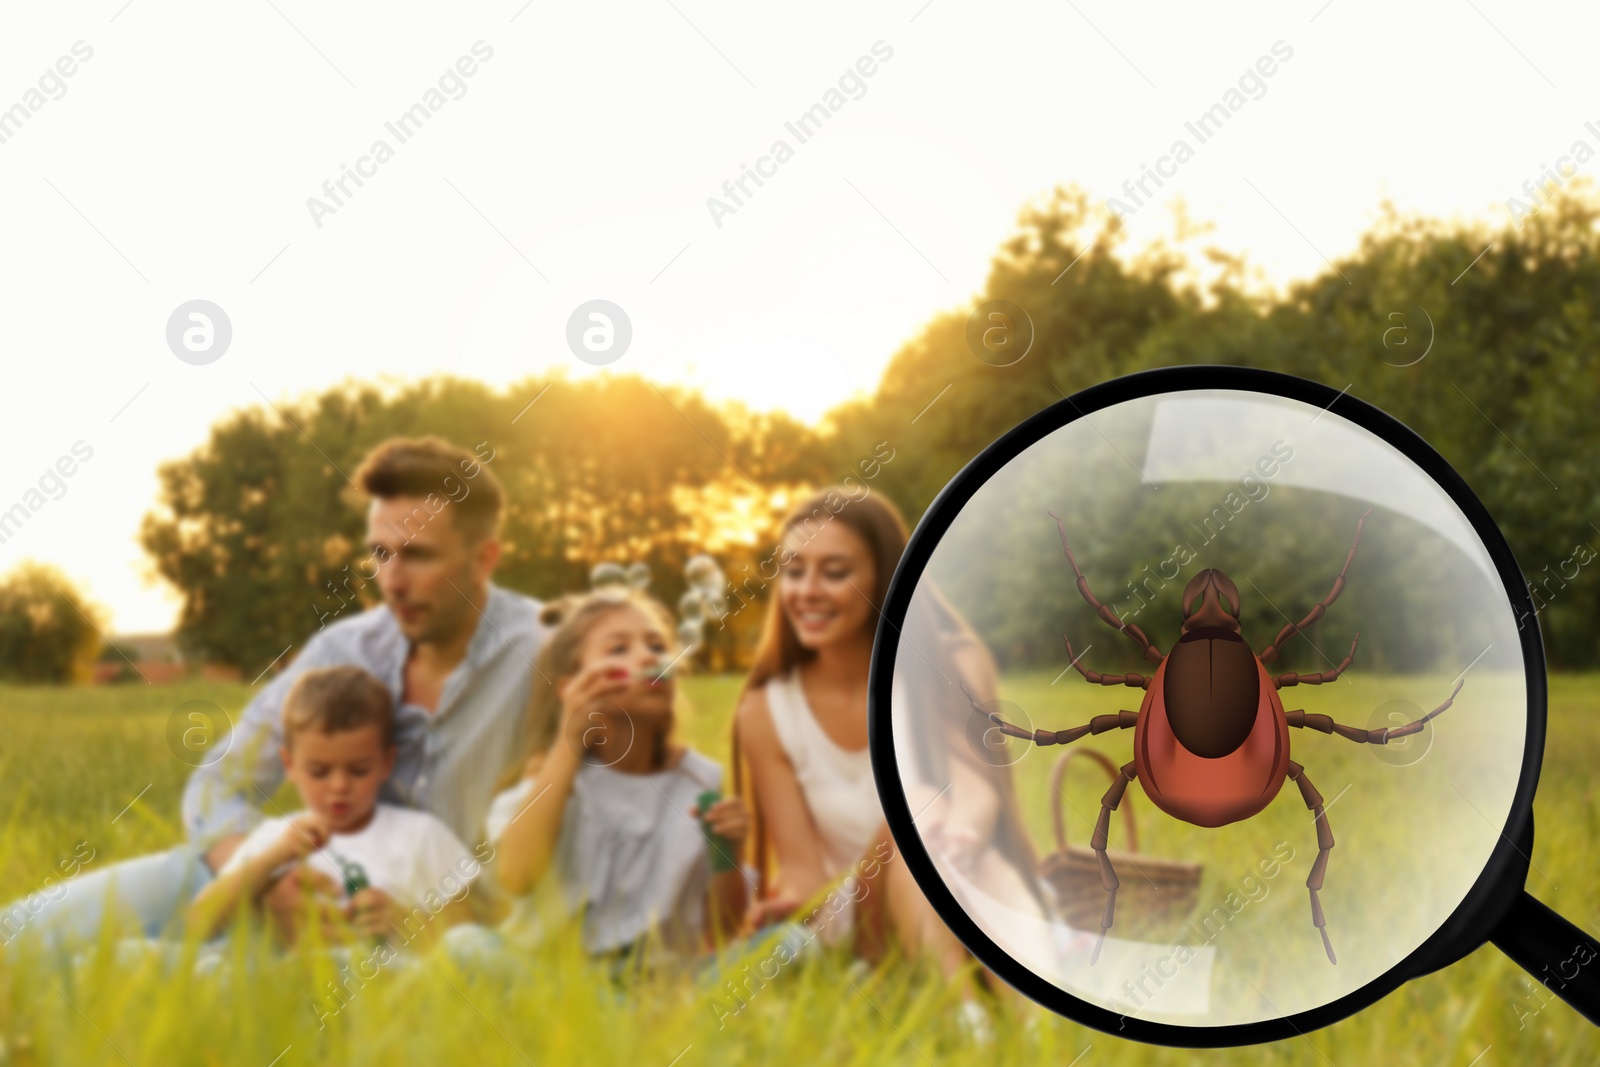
x=1245, y=506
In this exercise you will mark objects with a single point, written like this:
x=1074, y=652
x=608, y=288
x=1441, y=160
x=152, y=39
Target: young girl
x=604, y=815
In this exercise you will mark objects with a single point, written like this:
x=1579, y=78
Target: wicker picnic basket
x=1153, y=889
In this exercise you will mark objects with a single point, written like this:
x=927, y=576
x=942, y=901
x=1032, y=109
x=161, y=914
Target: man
x=455, y=650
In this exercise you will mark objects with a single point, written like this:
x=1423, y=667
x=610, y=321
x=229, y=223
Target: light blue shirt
x=447, y=761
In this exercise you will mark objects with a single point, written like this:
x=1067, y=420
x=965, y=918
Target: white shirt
x=837, y=782
x=407, y=854
x=630, y=856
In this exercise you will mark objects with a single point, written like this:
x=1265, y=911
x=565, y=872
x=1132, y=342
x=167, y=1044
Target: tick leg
x=1106, y=612
x=1325, y=723
x=1282, y=681
x=1313, y=799
x=1122, y=720
x=1108, y=877
x=1133, y=681
x=1271, y=651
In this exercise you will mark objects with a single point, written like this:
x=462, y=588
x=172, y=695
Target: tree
x=1090, y=309
x=48, y=631
x=257, y=528
x=1506, y=391
x=261, y=532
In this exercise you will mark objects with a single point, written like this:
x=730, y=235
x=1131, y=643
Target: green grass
x=73, y=759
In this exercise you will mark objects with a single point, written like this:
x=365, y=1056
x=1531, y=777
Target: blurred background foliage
x=49, y=632
x=612, y=467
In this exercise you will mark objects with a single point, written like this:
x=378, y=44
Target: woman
x=801, y=728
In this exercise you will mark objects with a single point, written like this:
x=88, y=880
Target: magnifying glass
x=1308, y=669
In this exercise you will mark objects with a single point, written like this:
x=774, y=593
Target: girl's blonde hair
x=572, y=616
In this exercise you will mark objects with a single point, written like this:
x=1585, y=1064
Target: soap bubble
x=689, y=633
x=608, y=577
x=639, y=575
x=703, y=573
x=692, y=607
x=988, y=742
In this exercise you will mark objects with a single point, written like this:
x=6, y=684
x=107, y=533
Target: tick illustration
x=1211, y=738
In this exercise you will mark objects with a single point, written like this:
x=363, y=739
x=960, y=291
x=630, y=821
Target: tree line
x=257, y=528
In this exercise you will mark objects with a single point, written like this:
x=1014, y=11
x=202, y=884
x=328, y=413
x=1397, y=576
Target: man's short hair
x=430, y=466
x=335, y=699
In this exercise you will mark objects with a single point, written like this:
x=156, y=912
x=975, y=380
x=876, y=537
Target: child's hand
x=372, y=911
x=728, y=817
x=307, y=831
x=771, y=910
x=283, y=904
x=602, y=680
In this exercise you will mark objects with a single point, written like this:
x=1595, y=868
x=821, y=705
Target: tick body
x=1212, y=744
x=1211, y=737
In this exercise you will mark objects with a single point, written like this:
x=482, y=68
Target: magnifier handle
x=1554, y=951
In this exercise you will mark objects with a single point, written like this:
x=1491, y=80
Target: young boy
x=406, y=873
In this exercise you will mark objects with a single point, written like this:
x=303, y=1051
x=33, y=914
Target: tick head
x=1211, y=601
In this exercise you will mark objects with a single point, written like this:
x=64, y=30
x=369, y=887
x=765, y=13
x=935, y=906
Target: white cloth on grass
x=630, y=857
x=406, y=853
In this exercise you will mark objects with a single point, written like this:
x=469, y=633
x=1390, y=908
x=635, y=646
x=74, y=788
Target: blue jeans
x=782, y=943
x=149, y=893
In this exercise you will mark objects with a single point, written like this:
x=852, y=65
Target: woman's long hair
x=940, y=715
x=932, y=625
x=573, y=616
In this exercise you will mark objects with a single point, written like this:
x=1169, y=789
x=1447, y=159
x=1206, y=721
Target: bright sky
x=177, y=163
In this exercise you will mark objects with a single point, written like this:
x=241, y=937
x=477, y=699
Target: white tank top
x=837, y=782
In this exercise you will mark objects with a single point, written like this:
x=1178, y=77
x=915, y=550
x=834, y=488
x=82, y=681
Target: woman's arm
x=784, y=814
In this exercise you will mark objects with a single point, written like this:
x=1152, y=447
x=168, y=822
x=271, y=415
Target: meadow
x=87, y=771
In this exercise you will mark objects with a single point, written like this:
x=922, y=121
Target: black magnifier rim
x=1483, y=904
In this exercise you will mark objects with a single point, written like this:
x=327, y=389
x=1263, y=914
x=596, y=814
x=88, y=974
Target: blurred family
x=461, y=712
